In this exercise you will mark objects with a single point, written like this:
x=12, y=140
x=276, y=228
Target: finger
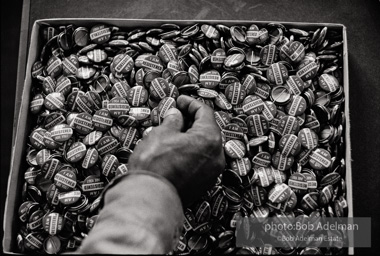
x=202, y=114
x=173, y=119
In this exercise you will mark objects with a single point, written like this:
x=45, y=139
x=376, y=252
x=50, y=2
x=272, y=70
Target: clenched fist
x=186, y=149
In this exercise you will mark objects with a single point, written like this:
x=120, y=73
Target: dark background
x=361, y=17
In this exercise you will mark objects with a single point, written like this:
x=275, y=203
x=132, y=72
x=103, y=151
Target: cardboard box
x=22, y=123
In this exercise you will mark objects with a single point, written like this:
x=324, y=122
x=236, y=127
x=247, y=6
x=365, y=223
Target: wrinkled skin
x=186, y=149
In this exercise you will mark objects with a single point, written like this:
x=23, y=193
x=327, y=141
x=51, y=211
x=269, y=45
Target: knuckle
x=222, y=162
x=215, y=139
x=142, y=154
x=140, y=160
x=213, y=142
x=135, y=158
x=209, y=111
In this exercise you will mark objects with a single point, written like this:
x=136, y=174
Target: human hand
x=191, y=159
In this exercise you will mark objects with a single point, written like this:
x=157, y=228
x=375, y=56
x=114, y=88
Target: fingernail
x=172, y=111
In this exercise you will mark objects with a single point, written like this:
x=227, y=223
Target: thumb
x=173, y=119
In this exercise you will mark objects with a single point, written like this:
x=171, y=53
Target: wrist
x=143, y=209
x=131, y=173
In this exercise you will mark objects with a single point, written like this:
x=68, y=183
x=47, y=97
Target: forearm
x=142, y=214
